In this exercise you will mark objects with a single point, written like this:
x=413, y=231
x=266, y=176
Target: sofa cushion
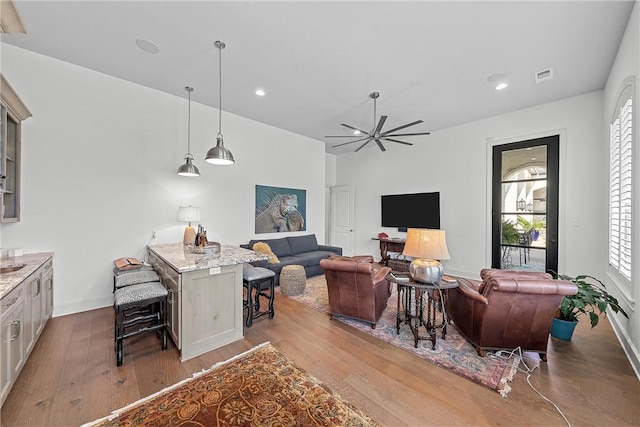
x=280, y=247
x=263, y=248
x=300, y=244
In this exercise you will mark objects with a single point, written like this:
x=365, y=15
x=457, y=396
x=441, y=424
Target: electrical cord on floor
x=498, y=356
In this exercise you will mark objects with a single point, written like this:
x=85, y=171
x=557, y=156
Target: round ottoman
x=292, y=280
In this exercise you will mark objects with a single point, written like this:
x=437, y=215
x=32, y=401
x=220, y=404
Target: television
x=418, y=210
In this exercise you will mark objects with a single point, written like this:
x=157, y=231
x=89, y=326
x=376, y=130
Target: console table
x=389, y=245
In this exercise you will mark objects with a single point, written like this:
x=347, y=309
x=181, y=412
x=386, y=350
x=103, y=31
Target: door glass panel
x=524, y=209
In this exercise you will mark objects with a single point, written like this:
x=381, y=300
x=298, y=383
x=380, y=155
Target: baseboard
x=632, y=352
x=80, y=306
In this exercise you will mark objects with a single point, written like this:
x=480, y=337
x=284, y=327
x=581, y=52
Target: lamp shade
x=188, y=214
x=426, y=243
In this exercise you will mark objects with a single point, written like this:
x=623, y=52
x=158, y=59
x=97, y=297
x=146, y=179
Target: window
x=620, y=176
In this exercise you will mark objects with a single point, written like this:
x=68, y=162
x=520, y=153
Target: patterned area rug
x=453, y=353
x=260, y=387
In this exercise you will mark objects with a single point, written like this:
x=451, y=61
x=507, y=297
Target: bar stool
x=262, y=280
x=140, y=301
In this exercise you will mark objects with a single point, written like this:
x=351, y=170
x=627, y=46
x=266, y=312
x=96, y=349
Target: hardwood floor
x=72, y=378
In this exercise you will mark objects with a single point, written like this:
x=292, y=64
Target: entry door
x=343, y=218
x=525, y=205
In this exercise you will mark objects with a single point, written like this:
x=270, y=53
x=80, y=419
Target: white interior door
x=342, y=218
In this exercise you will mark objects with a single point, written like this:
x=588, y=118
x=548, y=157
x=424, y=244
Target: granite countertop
x=182, y=261
x=9, y=281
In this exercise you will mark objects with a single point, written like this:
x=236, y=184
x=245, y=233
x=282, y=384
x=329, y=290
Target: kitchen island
x=205, y=295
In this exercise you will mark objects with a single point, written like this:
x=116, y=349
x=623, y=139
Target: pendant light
x=219, y=155
x=188, y=169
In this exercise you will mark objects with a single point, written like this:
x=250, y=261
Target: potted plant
x=592, y=299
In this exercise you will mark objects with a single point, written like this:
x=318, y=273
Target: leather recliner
x=507, y=309
x=355, y=288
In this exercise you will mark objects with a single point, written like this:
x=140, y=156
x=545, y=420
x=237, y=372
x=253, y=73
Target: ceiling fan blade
x=354, y=128
x=362, y=146
x=409, y=134
x=402, y=127
x=395, y=140
x=342, y=136
x=350, y=142
x=380, y=144
x=380, y=124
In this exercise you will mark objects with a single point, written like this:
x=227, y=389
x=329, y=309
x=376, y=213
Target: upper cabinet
x=12, y=113
x=10, y=20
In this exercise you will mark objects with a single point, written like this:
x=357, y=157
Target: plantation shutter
x=620, y=139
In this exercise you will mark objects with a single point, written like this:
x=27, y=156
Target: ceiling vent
x=544, y=75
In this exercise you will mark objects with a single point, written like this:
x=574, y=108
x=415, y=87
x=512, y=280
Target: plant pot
x=535, y=235
x=562, y=329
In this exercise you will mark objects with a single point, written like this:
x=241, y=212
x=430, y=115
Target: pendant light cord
x=220, y=46
x=189, y=89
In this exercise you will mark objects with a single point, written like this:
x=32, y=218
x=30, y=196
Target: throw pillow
x=264, y=248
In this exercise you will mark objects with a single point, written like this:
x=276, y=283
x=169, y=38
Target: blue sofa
x=300, y=250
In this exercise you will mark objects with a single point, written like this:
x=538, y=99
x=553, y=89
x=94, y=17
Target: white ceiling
x=319, y=61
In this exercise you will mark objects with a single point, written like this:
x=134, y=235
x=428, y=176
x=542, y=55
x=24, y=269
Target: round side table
x=292, y=280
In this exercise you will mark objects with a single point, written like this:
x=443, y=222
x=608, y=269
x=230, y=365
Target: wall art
x=280, y=209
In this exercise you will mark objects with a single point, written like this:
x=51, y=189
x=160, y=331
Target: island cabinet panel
x=211, y=309
x=170, y=279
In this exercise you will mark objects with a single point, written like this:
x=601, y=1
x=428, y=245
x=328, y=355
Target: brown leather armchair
x=507, y=309
x=355, y=288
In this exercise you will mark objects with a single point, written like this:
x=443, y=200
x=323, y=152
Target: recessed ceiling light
x=260, y=92
x=498, y=80
x=147, y=45
x=356, y=132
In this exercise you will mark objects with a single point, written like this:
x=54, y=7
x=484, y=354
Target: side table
x=411, y=296
x=293, y=280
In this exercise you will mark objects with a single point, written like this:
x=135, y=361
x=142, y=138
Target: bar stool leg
x=250, y=287
x=272, y=295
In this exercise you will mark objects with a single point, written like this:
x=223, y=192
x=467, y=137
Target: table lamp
x=188, y=214
x=427, y=247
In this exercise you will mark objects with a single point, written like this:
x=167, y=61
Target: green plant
x=592, y=299
x=510, y=233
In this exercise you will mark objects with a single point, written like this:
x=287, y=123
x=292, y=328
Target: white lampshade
x=427, y=247
x=426, y=243
x=188, y=214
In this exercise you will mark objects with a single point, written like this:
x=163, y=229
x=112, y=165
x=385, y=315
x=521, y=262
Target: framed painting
x=280, y=209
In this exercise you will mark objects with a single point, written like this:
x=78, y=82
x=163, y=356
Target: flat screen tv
x=418, y=210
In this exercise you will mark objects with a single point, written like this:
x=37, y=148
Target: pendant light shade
x=219, y=155
x=188, y=168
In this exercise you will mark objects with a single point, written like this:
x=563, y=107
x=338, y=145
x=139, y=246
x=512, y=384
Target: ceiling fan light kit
x=376, y=134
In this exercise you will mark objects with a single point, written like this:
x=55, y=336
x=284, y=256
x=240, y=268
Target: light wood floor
x=72, y=377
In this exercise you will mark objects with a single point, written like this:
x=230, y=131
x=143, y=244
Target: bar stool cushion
x=136, y=277
x=256, y=273
x=139, y=293
x=118, y=272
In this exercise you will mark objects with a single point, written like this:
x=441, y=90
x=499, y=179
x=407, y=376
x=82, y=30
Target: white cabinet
x=47, y=279
x=12, y=113
x=12, y=344
x=24, y=313
x=38, y=303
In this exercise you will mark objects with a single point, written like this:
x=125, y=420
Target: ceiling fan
x=377, y=134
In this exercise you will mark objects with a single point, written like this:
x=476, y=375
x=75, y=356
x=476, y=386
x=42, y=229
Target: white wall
x=457, y=162
x=99, y=162
x=627, y=63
